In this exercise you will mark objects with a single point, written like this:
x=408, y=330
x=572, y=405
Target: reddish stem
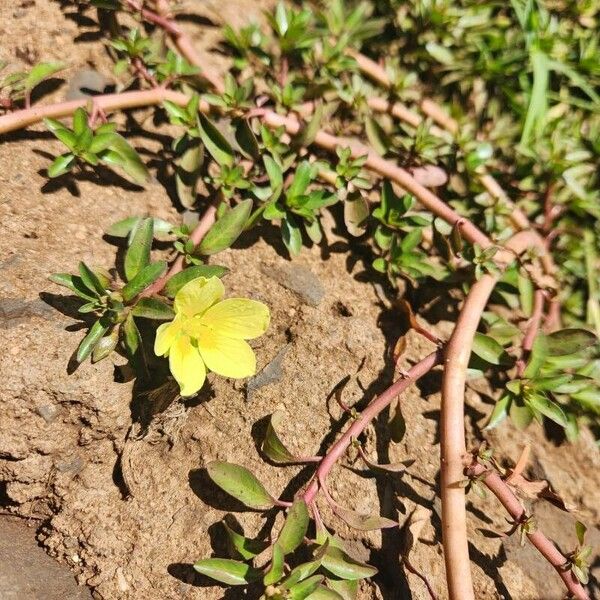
x=545, y=546
x=181, y=40
x=358, y=426
x=452, y=434
x=204, y=224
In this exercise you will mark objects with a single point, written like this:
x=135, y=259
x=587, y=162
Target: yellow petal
x=187, y=365
x=196, y=296
x=226, y=356
x=238, y=318
x=165, y=336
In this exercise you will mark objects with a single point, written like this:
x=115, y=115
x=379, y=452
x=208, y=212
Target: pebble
x=272, y=373
x=298, y=279
x=84, y=83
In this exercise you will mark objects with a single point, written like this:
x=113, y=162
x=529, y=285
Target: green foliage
x=17, y=86
x=93, y=146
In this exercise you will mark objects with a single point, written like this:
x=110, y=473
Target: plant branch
x=106, y=102
x=546, y=548
x=358, y=426
x=204, y=224
x=180, y=39
x=436, y=112
x=452, y=432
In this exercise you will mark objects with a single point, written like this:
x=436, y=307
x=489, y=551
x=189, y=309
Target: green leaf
x=123, y=155
x=539, y=353
x=538, y=104
x=61, y=165
x=96, y=332
x=308, y=132
x=356, y=213
x=490, y=350
x=313, y=230
x=548, y=408
x=291, y=235
x=67, y=137
x=295, y=527
x=102, y=141
x=175, y=283
x=143, y=279
x=90, y=280
x=337, y=562
x=41, y=72
x=246, y=139
x=105, y=346
x=80, y=122
x=302, y=178
x=153, y=308
x=275, y=572
x=225, y=570
x=305, y=589
x=569, y=341
x=275, y=176
x=242, y=546
x=240, y=483
x=440, y=53
x=520, y=414
x=526, y=290
x=122, y=228
x=377, y=137
x=500, y=412
x=324, y=593
x=74, y=283
x=580, y=531
x=348, y=590
x=272, y=446
x=227, y=229
x=187, y=171
x=216, y=144
x=131, y=337
x=138, y=253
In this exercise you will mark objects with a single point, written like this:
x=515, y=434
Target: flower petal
x=238, y=318
x=198, y=295
x=165, y=336
x=187, y=366
x=226, y=356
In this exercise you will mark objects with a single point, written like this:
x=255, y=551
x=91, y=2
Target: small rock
x=49, y=412
x=27, y=572
x=272, y=373
x=86, y=83
x=299, y=280
x=15, y=310
x=74, y=465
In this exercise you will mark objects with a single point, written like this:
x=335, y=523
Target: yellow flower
x=208, y=333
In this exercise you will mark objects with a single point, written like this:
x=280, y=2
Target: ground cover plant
x=456, y=144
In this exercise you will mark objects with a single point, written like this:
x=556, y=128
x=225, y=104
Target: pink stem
x=546, y=548
x=452, y=419
x=204, y=224
x=181, y=40
x=375, y=407
x=107, y=103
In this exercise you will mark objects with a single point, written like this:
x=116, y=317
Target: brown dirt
x=129, y=510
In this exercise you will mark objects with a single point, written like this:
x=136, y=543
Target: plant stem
x=532, y=329
x=204, y=224
x=107, y=102
x=437, y=113
x=180, y=39
x=358, y=426
x=547, y=549
x=452, y=431
x=387, y=169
